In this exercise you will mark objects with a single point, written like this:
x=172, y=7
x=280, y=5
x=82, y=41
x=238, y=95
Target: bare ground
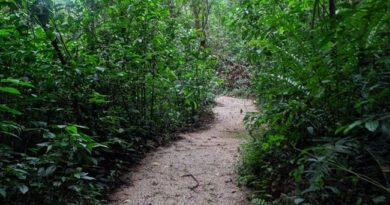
x=198, y=169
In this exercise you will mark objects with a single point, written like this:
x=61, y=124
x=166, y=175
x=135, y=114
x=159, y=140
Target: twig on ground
x=192, y=176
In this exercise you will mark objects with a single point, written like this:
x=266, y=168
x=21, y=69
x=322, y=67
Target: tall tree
x=201, y=11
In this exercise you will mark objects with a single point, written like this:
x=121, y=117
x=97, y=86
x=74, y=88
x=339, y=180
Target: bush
x=321, y=83
x=86, y=87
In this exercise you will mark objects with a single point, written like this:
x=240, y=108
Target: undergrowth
x=321, y=80
x=87, y=87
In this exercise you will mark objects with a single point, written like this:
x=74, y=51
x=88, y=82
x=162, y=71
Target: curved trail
x=198, y=169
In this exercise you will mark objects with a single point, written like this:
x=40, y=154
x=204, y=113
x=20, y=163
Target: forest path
x=207, y=157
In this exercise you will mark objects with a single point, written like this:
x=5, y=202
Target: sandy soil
x=198, y=169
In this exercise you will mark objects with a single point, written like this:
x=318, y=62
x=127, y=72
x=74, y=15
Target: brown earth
x=198, y=169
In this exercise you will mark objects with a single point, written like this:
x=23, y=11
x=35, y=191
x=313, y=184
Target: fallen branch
x=192, y=176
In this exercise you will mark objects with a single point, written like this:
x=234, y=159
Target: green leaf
x=50, y=170
x=11, y=134
x=352, y=125
x=10, y=90
x=379, y=199
x=60, y=126
x=85, y=176
x=333, y=189
x=100, y=68
x=72, y=129
x=77, y=175
x=3, y=193
x=91, y=146
x=372, y=125
x=298, y=200
x=23, y=189
x=97, y=98
x=5, y=108
x=310, y=130
x=49, y=135
x=75, y=188
x=5, y=32
x=57, y=183
x=17, y=82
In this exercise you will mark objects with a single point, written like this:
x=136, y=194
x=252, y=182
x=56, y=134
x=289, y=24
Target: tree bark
x=332, y=8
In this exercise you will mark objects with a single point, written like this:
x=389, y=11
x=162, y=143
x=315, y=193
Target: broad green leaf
x=85, y=176
x=50, y=170
x=17, y=82
x=298, y=200
x=98, y=98
x=10, y=90
x=71, y=129
x=372, y=125
x=77, y=175
x=5, y=108
x=6, y=31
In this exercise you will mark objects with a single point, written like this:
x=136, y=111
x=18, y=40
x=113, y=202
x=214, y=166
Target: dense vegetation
x=228, y=47
x=321, y=76
x=87, y=86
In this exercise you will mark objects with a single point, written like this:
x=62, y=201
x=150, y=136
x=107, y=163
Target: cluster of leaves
x=322, y=83
x=85, y=86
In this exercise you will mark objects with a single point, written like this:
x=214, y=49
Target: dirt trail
x=198, y=169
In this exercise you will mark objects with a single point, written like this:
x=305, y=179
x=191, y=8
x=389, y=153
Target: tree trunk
x=332, y=8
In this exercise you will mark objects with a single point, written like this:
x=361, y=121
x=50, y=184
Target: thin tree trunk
x=332, y=8
x=54, y=43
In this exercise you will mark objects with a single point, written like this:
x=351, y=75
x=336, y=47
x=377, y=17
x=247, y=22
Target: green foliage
x=230, y=50
x=85, y=86
x=322, y=82
x=259, y=201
